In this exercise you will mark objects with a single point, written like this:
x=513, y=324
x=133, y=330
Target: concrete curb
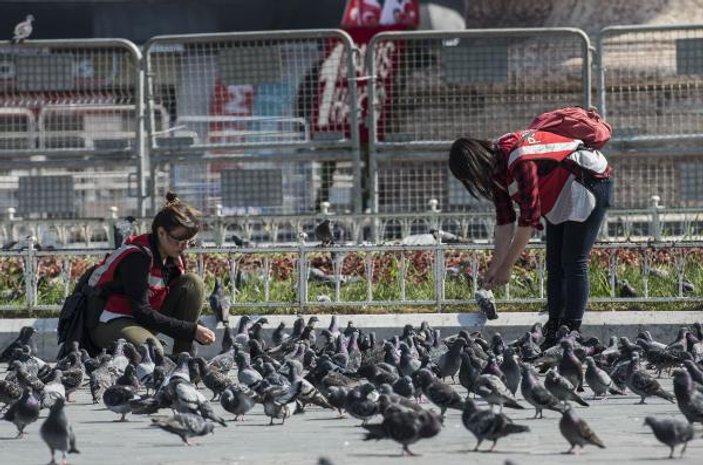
x=663, y=325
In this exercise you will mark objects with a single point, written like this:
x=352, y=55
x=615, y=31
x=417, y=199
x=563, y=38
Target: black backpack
x=79, y=315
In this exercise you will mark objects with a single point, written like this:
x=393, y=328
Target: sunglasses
x=190, y=242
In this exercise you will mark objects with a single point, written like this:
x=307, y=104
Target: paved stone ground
x=306, y=437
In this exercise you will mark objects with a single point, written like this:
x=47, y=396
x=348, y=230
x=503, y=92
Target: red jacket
x=558, y=184
x=105, y=273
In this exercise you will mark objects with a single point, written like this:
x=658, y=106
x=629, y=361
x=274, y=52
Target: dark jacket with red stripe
x=142, y=301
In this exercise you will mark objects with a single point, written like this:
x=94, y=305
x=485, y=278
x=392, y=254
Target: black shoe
x=550, y=334
x=573, y=325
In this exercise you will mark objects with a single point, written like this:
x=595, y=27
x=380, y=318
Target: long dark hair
x=177, y=213
x=473, y=161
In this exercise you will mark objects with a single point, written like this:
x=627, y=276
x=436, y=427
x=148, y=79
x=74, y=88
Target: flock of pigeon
x=399, y=388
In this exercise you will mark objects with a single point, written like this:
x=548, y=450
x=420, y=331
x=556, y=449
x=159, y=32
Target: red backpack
x=575, y=123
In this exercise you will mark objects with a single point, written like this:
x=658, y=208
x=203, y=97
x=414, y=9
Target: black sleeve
x=132, y=273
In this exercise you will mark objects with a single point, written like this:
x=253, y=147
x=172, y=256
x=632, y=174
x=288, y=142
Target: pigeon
x=450, y=362
x=671, y=431
x=53, y=390
x=448, y=238
x=361, y=402
x=276, y=400
x=23, y=30
x=511, y=369
x=535, y=393
x=642, y=383
x=576, y=431
x=24, y=338
x=24, y=412
x=494, y=391
x=220, y=303
x=214, y=380
x=689, y=399
x=405, y=426
x=145, y=368
x=10, y=391
x=570, y=366
x=484, y=424
x=117, y=399
x=57, y=433
x=627, y=291
x=562, y=388
x=238, y=400
x=246, y=375
x=323, y=233
x=439, y=393
x=122, y=230
x=486, y=303
x=599, y=381
x=185, y=426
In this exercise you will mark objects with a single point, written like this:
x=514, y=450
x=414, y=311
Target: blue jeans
x=568, y=247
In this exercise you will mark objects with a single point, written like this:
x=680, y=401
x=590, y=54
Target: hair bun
x=171, y=197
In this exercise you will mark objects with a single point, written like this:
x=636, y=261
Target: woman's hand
x=204, y=335
x=496, y=277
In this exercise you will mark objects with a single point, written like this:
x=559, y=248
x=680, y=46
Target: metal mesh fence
x=258, y=123
x=431, y=88
x=68, y=126
x=650, y=86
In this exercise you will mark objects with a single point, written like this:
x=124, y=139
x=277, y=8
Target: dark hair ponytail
x=473, y=161
x=175, y=214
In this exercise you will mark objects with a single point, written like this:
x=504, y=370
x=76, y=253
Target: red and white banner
x=372, y=13
x=363, y=19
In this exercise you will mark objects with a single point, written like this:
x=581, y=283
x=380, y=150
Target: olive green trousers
x=184, y=302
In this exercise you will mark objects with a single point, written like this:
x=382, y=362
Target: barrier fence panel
x=649, y=84
x=433, y=87
x=306, y=277
x=259, y=123
x=70, y=127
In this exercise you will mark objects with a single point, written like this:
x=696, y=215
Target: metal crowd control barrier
x=649, y=90
x=304, y=277
x=261, y=122
x=656, y=223
x=433, y=87
x=71, y=126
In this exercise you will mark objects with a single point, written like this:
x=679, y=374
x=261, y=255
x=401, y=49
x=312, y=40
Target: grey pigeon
x=576, y=431
x=486, y=303
x=439, y=393
x=599, y=381
x=689, y=399
x=24, y=412
x=562, y=388
x=535, y=393
x=53, y=390
x=23, y=30
x=405, y=427
x=10, y=391
x=23, y=338
x=185, y=426
x=220, y=303
x=276, y=400
x=214, y=380
x=484, y=424
x=117, y=399
x=246, y=375
x=362, y=402
x=626, y=290
x=494, y=391
x=570, y=366
x=57, y=433
x=450, y=362
x=643, y=384
x=671, y=431
x=323, y=233
x=238, y=400
x=511, y=369
x=468, y=373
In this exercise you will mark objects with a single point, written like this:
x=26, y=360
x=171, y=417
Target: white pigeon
x=23, y=30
